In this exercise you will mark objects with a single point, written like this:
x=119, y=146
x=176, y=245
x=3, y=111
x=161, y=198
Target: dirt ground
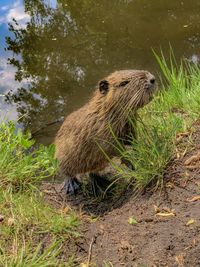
x=154, y=229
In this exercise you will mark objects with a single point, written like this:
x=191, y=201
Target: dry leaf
x=166, y=214
x=195, y=198
x=169, y=210
x=180, y=260
x=191, y=221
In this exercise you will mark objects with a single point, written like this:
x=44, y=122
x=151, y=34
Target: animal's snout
x=152, y=80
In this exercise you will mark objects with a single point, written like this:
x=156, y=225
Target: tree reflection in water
x=65, y=49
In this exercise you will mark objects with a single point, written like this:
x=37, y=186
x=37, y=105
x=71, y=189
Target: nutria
x=86, y=135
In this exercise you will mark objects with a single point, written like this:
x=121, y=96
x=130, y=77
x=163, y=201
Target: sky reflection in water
x=8, y=10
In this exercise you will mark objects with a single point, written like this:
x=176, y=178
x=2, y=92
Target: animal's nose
x=152, y=80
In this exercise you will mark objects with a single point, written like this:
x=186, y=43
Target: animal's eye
x=124, y=83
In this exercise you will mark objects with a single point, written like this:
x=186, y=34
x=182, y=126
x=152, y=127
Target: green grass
x=21, y=169
x=25, y=257
x=27, y=221
x=36, y=214
x=174, y=108
x=32, y=233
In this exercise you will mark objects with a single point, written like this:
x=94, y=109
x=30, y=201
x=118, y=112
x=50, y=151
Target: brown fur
x=87, y=131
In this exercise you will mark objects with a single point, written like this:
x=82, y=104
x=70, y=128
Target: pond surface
x=56, y=51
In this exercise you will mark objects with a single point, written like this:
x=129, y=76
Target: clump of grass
x=25, y=219
x=151, y=152
x=25, y=256
x=174, y=109
x=36, y=214
x=181, y=89
x=31, y=232
x=20, y=168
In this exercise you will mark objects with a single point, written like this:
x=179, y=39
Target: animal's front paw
x=128, y=164
x=71, y=186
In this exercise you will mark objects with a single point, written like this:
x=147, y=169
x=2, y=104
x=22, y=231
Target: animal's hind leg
x=99, y=183
x=71, y=185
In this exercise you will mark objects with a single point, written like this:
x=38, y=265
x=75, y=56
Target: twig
x=90, y=252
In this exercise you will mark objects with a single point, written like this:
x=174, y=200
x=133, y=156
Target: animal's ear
x=103, y=86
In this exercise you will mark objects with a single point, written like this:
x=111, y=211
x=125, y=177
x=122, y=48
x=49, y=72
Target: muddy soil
x=154, y=229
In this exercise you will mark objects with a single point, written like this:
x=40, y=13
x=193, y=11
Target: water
x=57, y=58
